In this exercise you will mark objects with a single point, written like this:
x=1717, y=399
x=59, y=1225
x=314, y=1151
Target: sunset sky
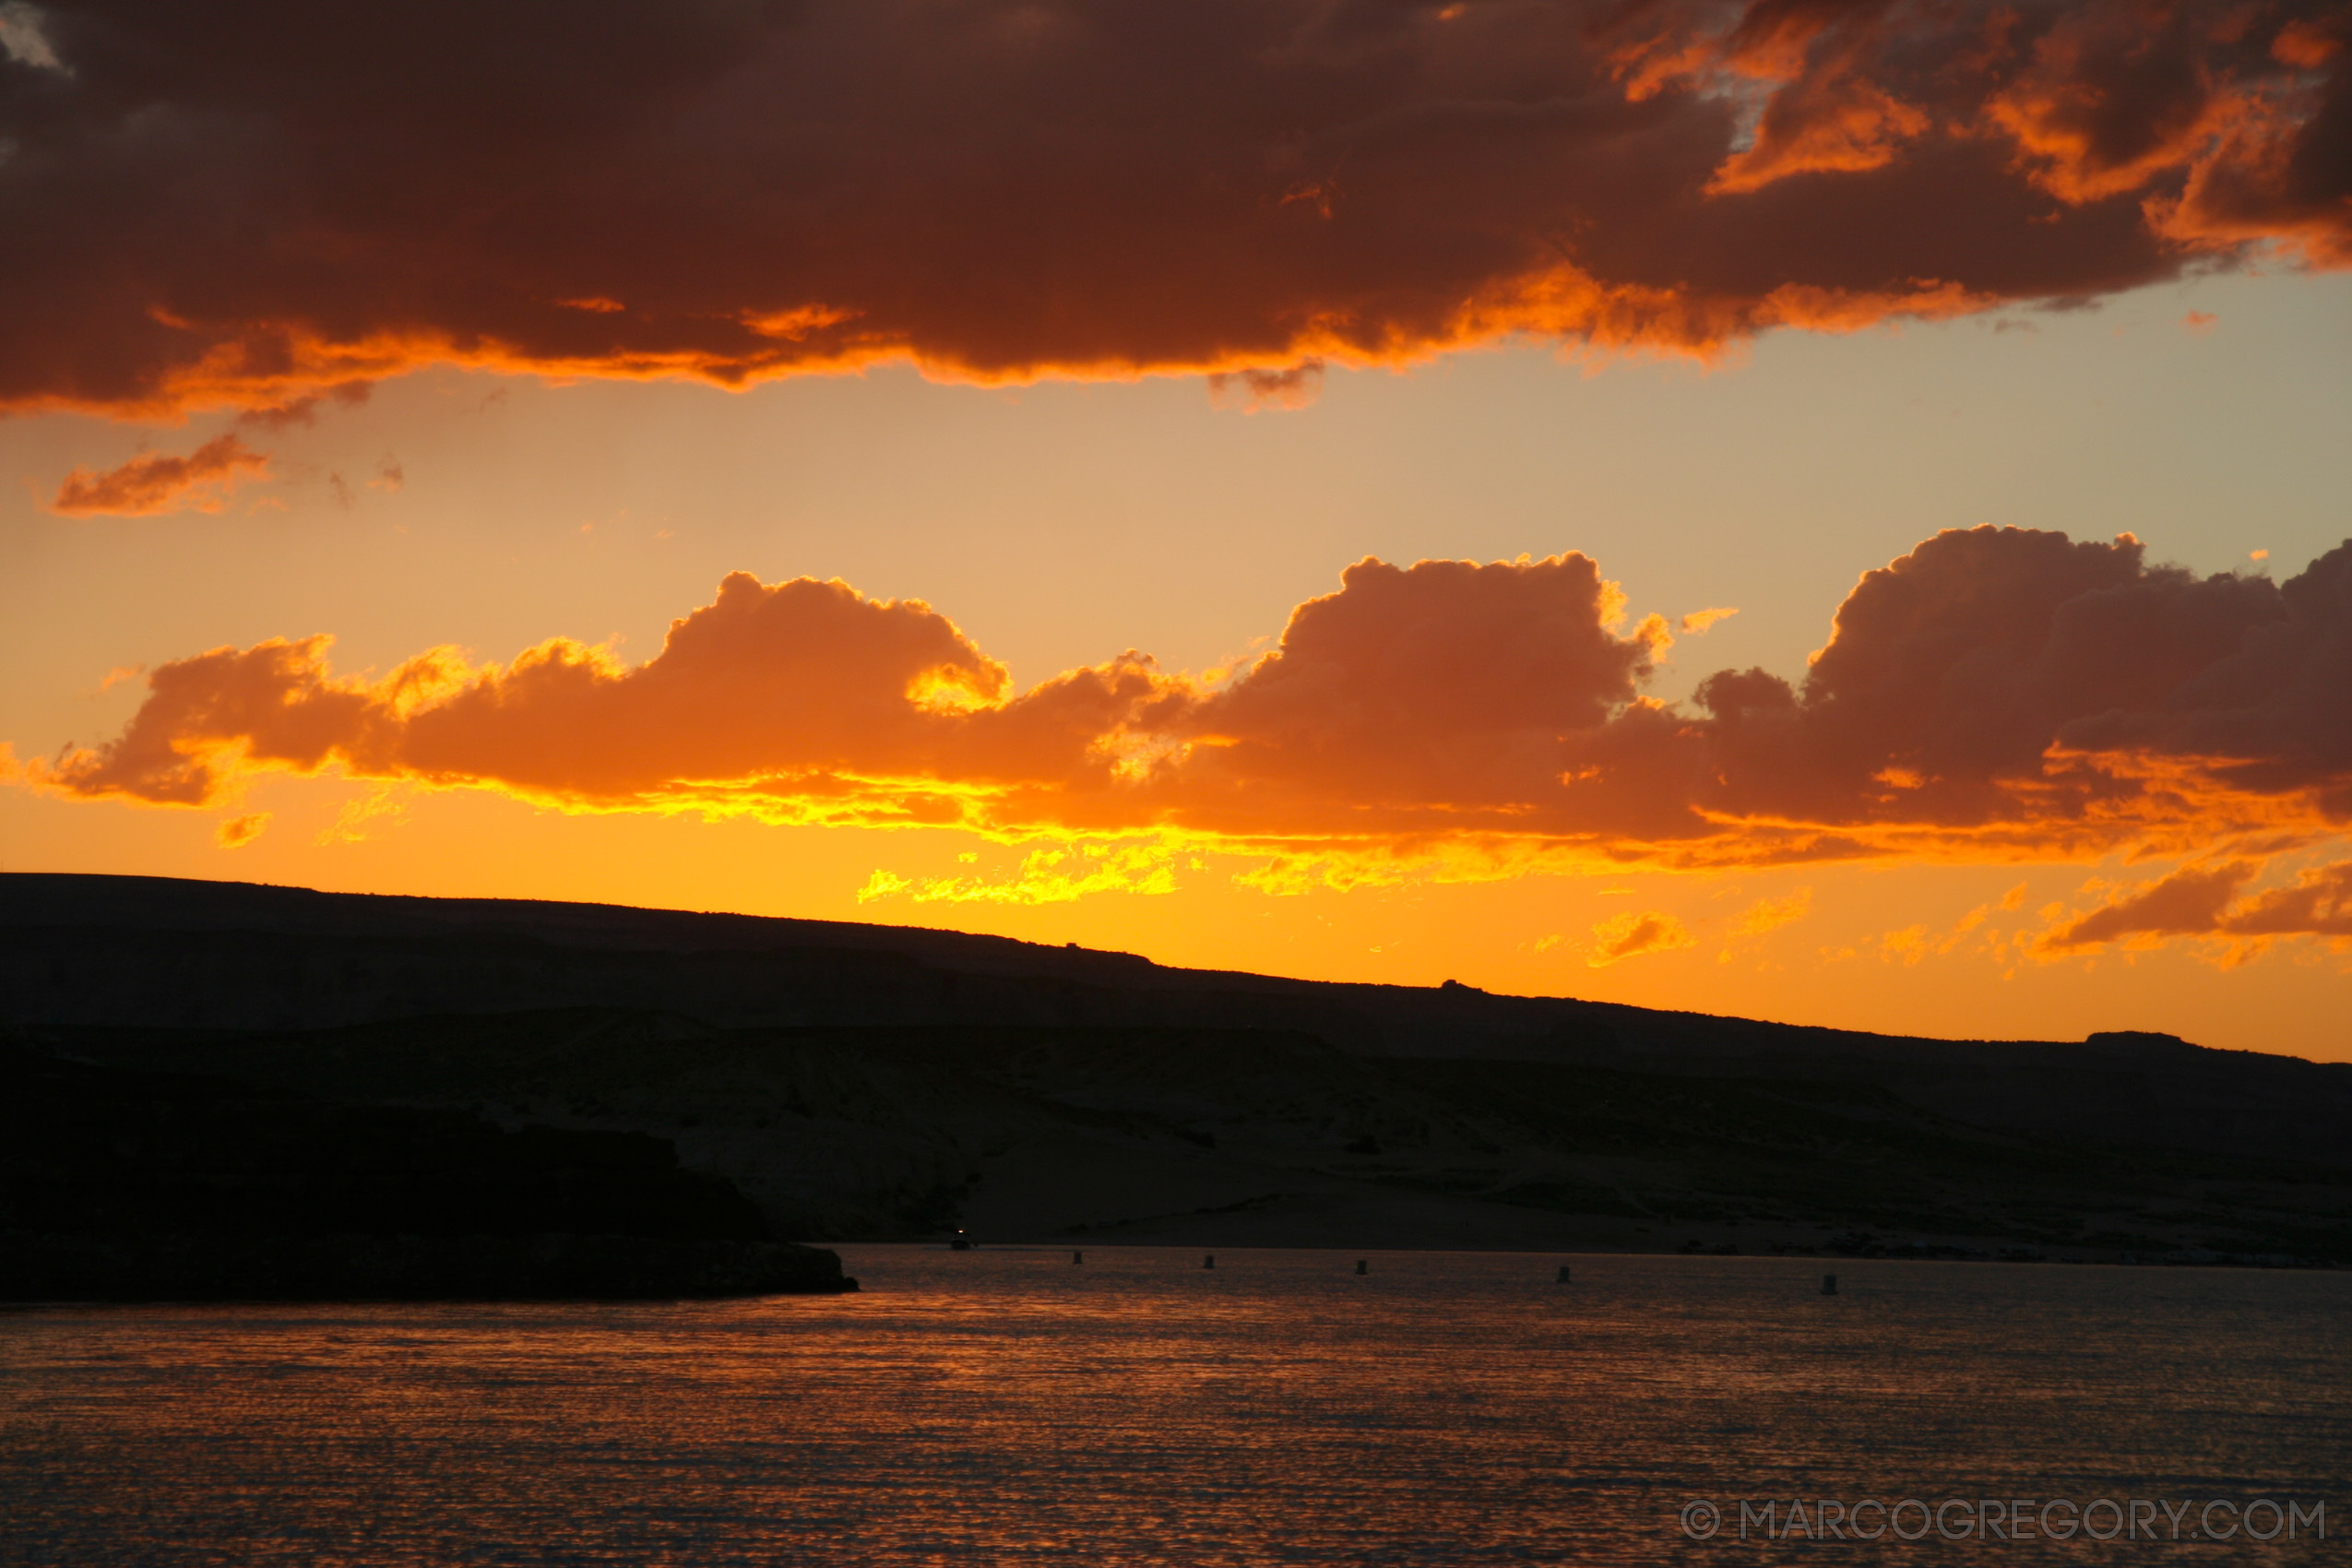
x=1821, y=511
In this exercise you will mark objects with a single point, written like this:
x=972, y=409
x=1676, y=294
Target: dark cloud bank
x=238, y=204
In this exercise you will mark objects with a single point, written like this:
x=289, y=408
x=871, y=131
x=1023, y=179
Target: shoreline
x=1891, y=1254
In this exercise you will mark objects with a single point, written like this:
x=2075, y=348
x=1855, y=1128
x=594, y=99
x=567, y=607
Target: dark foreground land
x=836, y=1081
x=123, y=1184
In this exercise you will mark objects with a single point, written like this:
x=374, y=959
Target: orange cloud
x=2108, y=98
x=1996, y=693
x=1826, y=114
x=145, y=486
x=2178, y=103
x=1428, y=699
x=1630, y=935
x=239, y=831
x=2308, y=44
x=2189, y=902
x=2007, y=686
x=803, y=697
x=1771, y=914
x=1010, y=189
x=1044, y=876
x=2319, y=903
x=2204, y=900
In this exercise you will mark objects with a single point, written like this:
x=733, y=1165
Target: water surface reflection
x=1008, y=1407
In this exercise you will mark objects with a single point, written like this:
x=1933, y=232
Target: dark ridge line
x=449, y=917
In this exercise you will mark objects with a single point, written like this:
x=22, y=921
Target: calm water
x=1004, y=1407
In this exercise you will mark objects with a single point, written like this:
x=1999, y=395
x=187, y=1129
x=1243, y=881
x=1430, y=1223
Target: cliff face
x=124, y=1183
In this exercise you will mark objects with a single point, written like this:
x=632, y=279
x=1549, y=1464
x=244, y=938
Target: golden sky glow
x=1699, y=506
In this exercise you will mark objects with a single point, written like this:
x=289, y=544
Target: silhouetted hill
x=869, y=1080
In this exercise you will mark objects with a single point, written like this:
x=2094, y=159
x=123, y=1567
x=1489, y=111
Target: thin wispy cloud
x=145, y=486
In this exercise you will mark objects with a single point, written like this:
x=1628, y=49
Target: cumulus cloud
x=2006, y=684
x=803, y=697
x=1424, y=698
x=147, y=486
x=247, y=205
x=1995, y=694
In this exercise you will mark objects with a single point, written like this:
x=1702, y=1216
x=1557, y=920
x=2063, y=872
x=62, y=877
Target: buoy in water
x=1363, y=1265
x=1078, y=1257
x=1829, y=1285
x=1563, y=1274
x=1209, y=1262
